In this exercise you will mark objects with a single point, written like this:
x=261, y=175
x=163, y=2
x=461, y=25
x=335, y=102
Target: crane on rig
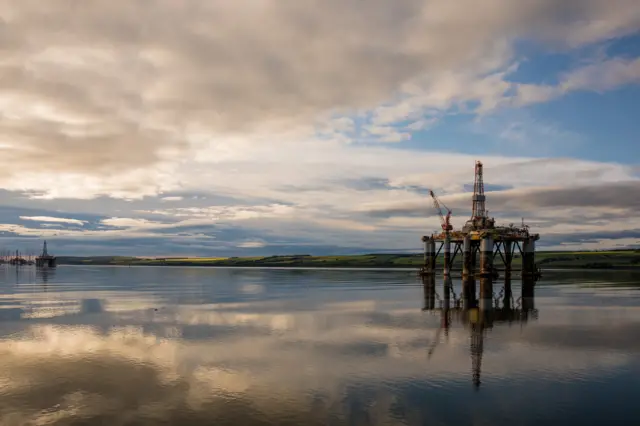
x=445, y=221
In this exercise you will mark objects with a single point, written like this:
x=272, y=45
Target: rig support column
x=474, y=259
x=447, y=255
x=432, y=256
x=486, y=255
x=429, y=286
x=486, y=295
x=506, y=301
x=508, y=245
x=468, y=292
x=528, y=257
x=429, y=254
x=466, y=256
x=425, y=241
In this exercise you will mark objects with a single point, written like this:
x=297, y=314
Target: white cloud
x=125, y=222
x=252, y=244
x=54, y=219
x=387, y=133
x=224, y=213
x=600, y=76
x=603, y=76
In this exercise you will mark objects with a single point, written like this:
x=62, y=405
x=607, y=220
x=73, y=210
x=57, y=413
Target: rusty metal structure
x=45, y=260
x=479, y=238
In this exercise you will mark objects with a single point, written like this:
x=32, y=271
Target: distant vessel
x=17, y=260
x=45, y=260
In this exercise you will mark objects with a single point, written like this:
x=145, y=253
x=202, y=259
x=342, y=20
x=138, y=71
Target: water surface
x=146, y=345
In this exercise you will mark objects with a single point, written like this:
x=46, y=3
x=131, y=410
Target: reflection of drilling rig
x=478, y=238
x=479, y=312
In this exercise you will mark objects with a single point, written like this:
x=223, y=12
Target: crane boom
x=445, y=221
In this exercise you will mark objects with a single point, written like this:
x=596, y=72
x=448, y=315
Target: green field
x=618, y=259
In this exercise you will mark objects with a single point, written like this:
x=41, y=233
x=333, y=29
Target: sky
x=261, y=127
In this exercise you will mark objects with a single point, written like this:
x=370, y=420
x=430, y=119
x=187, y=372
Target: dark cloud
x=596, y=206
x=587, y=237
x=149, y=207
x=194, y=241
x=11, y=214
x=622, y=195
x=359, y=184
x=366, y=184
x=488, y=187
x=424, y=210
x=625, y=195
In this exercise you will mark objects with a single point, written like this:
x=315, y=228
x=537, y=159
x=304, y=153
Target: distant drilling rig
x=480, y=236
x=17, y=258
x=45, y=260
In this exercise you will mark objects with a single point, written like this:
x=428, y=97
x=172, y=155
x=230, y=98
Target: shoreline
x=621, y=260
x=515, y=271
x=609, y=260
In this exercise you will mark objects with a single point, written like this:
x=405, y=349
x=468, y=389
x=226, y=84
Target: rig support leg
x=432, y=256
x=507, y=256
x=486, y=255
x=466, y=256
x=468, y=292
x=447, y=255
x=425, y=241
x=429, y=255
x=508, y=294
x=474, y=259
x=528, y=257
x=486, y=294
x=429, y=286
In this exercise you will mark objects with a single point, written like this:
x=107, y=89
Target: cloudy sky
x=264, y=127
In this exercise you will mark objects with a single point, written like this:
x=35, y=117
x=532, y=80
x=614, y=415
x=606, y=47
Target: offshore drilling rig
x=45, y=260
x=479, y=237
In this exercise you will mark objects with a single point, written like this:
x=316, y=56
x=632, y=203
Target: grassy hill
x=618, y=259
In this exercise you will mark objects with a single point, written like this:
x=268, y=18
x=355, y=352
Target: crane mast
x=445, y=221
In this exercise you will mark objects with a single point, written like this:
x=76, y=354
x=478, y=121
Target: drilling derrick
x=478, y=199
x=479, y=215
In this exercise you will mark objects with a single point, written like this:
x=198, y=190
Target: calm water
x=133, y=346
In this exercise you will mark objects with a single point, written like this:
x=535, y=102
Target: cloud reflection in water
x=127, y=356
